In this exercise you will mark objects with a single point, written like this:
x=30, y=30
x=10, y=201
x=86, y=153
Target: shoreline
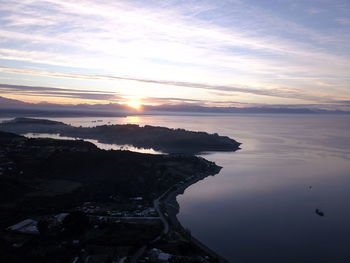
x=171, y=207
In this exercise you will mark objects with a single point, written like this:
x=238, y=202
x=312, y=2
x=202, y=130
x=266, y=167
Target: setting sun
x=135, y=104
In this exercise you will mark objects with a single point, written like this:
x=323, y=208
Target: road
x=156, y=204
x=168, y=199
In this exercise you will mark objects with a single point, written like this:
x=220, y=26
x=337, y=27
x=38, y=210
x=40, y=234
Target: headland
x=161, y=139
x=69, y=200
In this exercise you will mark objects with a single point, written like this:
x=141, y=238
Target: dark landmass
x=10, y=108
x=159, y=138
x=68, y=201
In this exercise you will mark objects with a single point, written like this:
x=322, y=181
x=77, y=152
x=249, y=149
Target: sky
x=236, y=53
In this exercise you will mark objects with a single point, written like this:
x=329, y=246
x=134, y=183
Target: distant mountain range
x=11, y=107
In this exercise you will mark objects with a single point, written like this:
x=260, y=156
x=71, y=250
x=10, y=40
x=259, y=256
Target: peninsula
x=159, y=138
x=69, y=201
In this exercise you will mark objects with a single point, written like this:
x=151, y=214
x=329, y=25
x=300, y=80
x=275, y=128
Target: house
x=157, y=255
x=163, y=257
x=138, y=198
x=27, y=226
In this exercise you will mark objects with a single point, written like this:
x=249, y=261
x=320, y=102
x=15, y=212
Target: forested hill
x=159, y=138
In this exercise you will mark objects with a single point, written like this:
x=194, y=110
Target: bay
x=261, y=206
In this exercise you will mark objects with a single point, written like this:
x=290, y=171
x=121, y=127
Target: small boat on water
x=319, y=212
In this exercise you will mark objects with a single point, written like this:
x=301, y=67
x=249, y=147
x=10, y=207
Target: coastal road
x=171, y=208
x=168, y=199
x=156, y=204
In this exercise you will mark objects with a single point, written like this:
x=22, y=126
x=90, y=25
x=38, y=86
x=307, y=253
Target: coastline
x=170, y=207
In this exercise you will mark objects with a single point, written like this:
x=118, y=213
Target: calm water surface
x=260, y=208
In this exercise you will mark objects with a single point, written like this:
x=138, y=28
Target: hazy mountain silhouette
x=11, y=107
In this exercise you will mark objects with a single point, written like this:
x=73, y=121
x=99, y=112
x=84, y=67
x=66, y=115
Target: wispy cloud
x=225, y=90
x=227, y=46
x=281, y=93
x=57, y=92
x=87, y=96
x=343, y=20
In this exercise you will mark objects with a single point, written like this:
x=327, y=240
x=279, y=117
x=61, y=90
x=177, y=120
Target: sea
x=283, y=197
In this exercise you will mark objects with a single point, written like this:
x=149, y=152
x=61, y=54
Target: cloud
x=110, y=34
x=343, y=20
x=280, y=93
x=87, y=95
x=224, y=89
x=8, y=89
x=313, y=11
x=57, y=92
x=230, y=47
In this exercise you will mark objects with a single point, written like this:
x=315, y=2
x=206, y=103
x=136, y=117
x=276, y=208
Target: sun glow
x=135, y=104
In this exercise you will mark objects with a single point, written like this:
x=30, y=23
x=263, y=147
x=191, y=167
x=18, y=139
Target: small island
x=161, y=139
x=69, y=201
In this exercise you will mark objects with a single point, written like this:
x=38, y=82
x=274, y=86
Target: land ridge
x=162, y=139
